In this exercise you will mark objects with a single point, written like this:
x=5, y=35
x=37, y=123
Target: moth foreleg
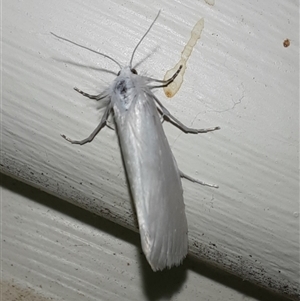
x=97, y=97
x=95, y=132
x=165, y=83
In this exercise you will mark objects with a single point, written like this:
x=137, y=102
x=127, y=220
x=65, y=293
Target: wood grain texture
x=239, y=77
x=53, y=250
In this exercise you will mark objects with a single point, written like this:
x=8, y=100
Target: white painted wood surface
x=239, y=77
x=52, y=250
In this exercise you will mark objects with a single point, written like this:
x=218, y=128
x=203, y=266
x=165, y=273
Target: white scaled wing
x=154, y=181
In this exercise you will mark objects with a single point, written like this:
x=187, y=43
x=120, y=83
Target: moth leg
x=95, y=132
x=165, y=83
x=182, y=175
x=97, y=97
x=165, y=113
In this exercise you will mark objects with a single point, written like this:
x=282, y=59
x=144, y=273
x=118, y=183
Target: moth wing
x=155, y=183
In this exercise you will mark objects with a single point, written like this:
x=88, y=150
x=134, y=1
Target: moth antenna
x=105, y=55
x=130, y=65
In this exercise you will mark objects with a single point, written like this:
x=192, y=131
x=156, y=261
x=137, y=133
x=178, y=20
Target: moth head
x=126, y=71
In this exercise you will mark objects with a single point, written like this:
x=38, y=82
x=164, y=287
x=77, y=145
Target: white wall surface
x=239, y=77
x=57, y=251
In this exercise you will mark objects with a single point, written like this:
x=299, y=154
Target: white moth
x=152, y=171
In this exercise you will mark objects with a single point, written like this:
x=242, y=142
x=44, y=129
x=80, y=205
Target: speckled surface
x=239, y=76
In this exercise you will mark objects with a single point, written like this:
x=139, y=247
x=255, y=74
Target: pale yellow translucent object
x=173, y=88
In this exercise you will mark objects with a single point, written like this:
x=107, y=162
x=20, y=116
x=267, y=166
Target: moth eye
x=119, y=73
x=134, y=71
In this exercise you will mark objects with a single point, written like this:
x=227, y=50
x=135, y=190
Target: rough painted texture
x=52, y=250
x=240, y=77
